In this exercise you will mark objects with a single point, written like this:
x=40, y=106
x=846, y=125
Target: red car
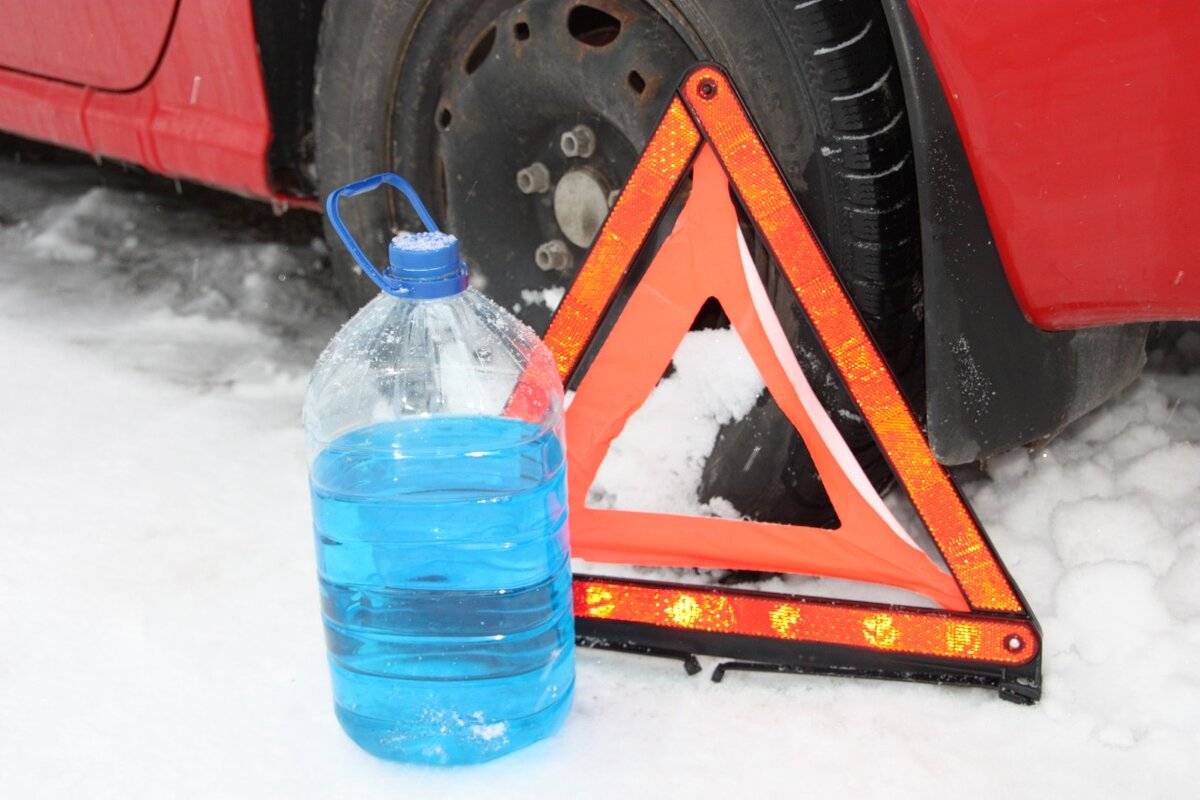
x=1004, y=186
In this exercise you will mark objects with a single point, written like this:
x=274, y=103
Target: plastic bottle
x=434, y=422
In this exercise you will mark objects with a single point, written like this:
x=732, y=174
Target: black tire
x=820, y=79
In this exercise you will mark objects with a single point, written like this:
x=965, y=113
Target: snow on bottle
x=436, y=463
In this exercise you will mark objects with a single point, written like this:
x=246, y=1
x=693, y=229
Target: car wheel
x=518, y=119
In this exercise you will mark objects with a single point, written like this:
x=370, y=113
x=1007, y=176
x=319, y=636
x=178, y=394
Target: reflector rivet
x=1014, y=643
x=707, y=89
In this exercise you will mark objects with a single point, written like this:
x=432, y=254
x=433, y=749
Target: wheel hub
x=580, y=205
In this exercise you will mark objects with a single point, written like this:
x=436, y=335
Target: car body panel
x=106, y=45
x=202, y=116
x=1079, y=118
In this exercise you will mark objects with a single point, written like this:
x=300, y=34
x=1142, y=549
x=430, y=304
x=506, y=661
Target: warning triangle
x=983, y=633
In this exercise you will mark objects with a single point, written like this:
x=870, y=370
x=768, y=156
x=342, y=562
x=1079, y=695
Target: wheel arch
x=994, y=381
x=287, y=32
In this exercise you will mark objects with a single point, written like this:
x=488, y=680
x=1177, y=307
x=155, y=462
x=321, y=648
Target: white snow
x=161, y=635
x=490, y=733
x=549, y=297
x=423, y=241
x=656, y=462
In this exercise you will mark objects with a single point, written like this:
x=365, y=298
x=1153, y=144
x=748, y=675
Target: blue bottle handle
x=360, y=187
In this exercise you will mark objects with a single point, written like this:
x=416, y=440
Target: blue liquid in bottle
x=445, y=585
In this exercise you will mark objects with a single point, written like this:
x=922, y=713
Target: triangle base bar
x=684, y=619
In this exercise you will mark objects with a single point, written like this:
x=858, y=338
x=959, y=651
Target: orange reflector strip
x=752, y=172
x=656, y=175
x=880, y=628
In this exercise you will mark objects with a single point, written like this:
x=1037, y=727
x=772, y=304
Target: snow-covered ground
x=160, y=633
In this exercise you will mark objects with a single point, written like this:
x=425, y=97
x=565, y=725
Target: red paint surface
x=109, y=45
x=1080, y=121
x=202, y=115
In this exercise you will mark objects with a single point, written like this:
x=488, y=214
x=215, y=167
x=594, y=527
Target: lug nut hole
x=593, y=27
x=481, y=49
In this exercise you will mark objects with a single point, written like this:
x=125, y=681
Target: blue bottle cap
x=420, y=265
x=426, y=264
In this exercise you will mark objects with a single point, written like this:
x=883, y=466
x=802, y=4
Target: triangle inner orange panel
x=705, y=257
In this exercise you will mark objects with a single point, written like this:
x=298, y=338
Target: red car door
x=106, y=44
